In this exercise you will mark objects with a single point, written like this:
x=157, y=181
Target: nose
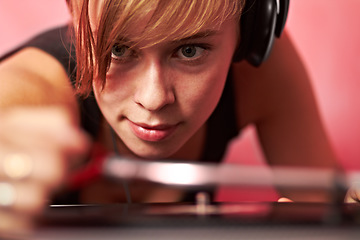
x=154, y=90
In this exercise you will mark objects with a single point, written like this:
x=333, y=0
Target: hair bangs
x=162, y=20
x=174, y=20
x=145, y=22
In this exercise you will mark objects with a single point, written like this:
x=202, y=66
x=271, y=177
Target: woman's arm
x=39, y=127
x=278, y=99
x=32, y=77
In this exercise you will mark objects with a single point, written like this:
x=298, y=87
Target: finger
x=47, y=168
x=14, y=226
x=23, y=197
x=41, y=128
x=37, y=114
x=353, y=195
x=284, y=199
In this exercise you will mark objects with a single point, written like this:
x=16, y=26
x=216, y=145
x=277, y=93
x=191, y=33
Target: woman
x=161, y=88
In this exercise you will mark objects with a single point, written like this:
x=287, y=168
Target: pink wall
x=327, y=37
x=20, y=19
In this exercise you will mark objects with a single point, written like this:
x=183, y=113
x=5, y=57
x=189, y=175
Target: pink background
x=326, y=33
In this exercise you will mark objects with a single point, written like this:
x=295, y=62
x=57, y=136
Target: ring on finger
x=7, y=194
x=17, y=166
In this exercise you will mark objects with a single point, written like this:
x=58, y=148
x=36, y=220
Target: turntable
x=203, y=219
x=190, y=221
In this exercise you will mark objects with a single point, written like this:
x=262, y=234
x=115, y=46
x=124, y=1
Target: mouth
x=152, y=133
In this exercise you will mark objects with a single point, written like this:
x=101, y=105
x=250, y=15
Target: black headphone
x=260, y=23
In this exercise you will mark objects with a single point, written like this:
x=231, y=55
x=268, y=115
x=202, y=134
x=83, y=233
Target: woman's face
x=156, y=98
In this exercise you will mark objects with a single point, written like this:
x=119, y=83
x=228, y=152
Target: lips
x=152, y=133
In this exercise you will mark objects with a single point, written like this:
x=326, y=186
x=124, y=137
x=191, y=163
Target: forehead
x=159, y=20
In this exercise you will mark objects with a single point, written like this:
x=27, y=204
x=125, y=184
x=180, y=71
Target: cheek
x=110, y=97
x=202, y=95
x=101, y=98
x=214, y=88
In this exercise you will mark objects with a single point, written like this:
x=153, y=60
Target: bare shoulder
x=270, y=88
x=32, y=60
x=34, y=77
x=278, y=99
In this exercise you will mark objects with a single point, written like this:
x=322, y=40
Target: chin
x=153, y=156
x=154, y=153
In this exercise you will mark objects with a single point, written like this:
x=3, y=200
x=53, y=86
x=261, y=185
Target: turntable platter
x=183, y=221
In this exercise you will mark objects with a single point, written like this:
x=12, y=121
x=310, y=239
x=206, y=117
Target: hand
x=36, y=146
x=353, y=194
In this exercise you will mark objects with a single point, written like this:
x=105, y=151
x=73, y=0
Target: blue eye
x=120, y=51
x=190, y=52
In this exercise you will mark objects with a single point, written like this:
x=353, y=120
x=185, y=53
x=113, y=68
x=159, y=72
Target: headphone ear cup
x=257, y=31
x=282, y=17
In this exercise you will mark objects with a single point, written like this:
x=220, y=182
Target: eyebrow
x=203, y=34
x=199, y=35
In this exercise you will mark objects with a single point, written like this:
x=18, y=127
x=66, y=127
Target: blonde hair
x=170, y=20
